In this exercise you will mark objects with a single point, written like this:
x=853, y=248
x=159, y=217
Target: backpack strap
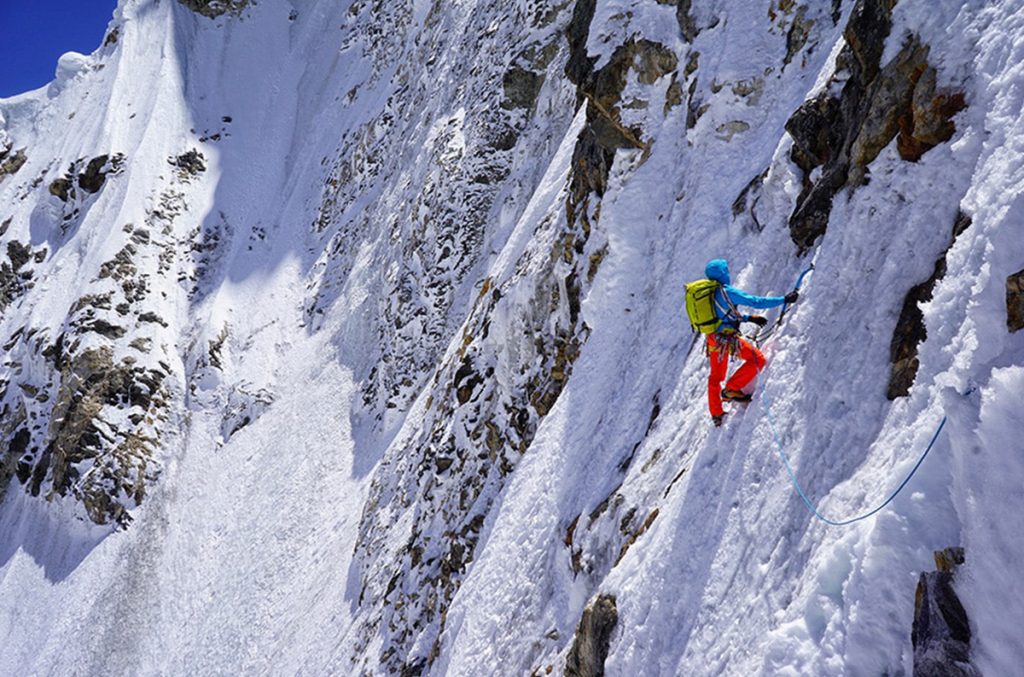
x=729, y=311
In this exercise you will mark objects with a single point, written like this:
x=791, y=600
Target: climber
x=726, y=339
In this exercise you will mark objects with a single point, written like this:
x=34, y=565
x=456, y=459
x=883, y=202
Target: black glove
x=758, y=320
x=791, y=297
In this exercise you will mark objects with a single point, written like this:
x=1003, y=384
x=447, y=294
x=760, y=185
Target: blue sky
x=34, y=33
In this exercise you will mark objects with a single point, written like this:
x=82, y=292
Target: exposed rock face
x=91, y=423
x=748, y=198
x=693, y=20
x=215, y=8
x=941, y=634
x=1015, y=301
x=603, y=90
x=76, y=459
x=461, y=169
x=245, y=405
x=11, y=161
x=796, y=37
x=84, y=413
x=522, y=87
x=91, y=180
x=910, y=330
x=843, y=134
x=89, y=177
x=687, y=24
x=489, y=397
x=929, y=121
x=593, y=636
x=189, y=164
x=15, y=277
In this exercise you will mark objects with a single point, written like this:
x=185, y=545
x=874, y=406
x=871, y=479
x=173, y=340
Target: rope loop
x=810, y=506
x=785, y=459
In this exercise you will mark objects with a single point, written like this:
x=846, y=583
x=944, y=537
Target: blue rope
x=789, y=467
x=796, y=287
x=799, y=489
x=763, y=335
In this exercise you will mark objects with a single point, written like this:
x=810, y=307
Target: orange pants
x=753, y=362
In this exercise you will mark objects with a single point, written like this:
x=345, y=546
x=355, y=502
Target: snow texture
x=370, y=384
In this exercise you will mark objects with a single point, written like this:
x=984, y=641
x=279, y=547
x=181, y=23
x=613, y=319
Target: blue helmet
x=717, y=270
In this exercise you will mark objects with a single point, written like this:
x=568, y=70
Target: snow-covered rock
x=348, y=338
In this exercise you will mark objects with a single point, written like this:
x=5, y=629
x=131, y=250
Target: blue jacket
x=728, y=296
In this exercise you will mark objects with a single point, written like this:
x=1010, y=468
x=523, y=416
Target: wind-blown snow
x=318, y=286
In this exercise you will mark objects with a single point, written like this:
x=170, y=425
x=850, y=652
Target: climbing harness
x=730, y=313
x=727, y=342
x=782, y=452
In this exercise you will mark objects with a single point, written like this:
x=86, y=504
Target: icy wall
x=347, y=337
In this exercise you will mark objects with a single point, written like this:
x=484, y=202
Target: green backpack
x=700, y=306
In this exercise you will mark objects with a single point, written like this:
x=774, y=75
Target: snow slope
x=373, y=327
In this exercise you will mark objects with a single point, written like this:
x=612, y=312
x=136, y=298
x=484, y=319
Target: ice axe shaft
x=785, y=307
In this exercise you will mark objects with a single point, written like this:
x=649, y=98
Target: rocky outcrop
x=215, y=8
x=86, y=411
x=603, y=89
x=11, y=161
x=690, y=25
x=461, y=170
x=1015, y=301
x=593, y=637
x=103, y=412
x=941, y=634
x=687, y=24
x=910, y=330
x=81, y=423
x=798, y=33
x=521, y=88
x=77, y=189
x=15, y=273
x=245, y=404
x=836, y=136
x=91, y=433
x=189, y=164
x=796, y=20
x=103, y=463
x=747, y=201
x=606, y=132
x=929, y=120
x=490, y=394
x=488, y=400
x=87, y=177
x=634, y=535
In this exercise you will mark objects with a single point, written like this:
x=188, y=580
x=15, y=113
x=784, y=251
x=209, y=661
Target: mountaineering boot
x=718, y=420
x=735, y=396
